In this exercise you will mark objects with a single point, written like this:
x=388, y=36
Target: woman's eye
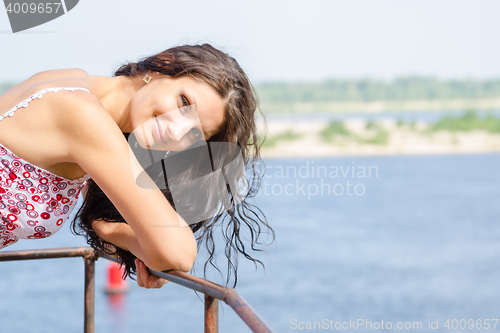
x=184, y=100
x=196, y=134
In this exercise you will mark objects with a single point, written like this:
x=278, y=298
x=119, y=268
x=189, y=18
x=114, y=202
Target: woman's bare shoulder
x=84, y=121
x=55, y=74
x=79, y=110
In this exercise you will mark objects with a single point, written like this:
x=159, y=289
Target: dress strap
x=82, y=179
x=37, y=95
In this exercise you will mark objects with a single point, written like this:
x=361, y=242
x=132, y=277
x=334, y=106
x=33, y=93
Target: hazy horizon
x=274, y=41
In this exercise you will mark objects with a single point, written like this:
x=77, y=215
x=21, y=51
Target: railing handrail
x=63, y=252
x=211, y=290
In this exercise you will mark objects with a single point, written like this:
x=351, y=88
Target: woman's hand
x=146, y=280
x=121, y=234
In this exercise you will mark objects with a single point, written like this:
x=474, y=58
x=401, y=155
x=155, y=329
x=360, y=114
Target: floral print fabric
x=34, y=203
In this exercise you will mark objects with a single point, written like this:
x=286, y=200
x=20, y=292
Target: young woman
x=62, y=131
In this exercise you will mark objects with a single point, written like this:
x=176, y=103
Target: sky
x=285, y=40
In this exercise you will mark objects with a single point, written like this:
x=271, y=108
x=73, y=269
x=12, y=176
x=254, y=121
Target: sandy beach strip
x=402, y=140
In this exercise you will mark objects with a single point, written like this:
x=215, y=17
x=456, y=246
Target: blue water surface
x=415, y=240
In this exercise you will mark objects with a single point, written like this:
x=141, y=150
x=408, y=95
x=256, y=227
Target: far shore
x=400, y=140
x=381, y=106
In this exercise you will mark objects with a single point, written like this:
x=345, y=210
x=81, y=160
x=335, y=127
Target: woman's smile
x=159, y=134
x=166, y=106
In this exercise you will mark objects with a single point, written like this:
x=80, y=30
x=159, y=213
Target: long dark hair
x=223, y=73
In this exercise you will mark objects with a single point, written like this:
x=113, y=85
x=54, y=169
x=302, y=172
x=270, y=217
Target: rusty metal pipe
x=228, y=295
x=68, y=252
x=211, y=290
x=246, y=312
x=211, y=314
x=193, y=282
x=88, y=325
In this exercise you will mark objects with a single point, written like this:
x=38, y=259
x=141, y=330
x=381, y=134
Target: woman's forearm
x=121, y=235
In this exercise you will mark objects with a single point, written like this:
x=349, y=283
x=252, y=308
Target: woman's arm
x=157, y=234
x=119, y=234
x=122, y=236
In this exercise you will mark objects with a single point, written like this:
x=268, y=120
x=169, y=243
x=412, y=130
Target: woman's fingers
x=140, y=273
x=153, y=282
x=156, y=282
x=144, y=275
x=146, y=280
x=139, y=280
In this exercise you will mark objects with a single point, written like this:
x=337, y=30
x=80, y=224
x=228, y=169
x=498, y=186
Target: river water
x=402, y=240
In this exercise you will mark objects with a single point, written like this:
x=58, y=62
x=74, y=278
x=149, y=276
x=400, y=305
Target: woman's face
x=174, y=113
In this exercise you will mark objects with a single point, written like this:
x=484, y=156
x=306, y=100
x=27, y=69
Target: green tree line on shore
x=368, y=90
x=4, y=86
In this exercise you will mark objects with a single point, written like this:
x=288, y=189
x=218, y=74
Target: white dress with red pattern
x=34, y=203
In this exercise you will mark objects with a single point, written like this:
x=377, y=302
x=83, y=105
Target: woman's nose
x=178, y=129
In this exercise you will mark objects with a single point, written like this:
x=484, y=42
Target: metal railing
x=212, y=291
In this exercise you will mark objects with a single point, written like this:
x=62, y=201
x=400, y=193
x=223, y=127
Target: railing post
x=88, y=326
x=211, y=314
x=213, y=292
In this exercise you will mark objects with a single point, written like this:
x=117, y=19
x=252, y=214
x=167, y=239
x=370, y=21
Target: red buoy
x=115, y=282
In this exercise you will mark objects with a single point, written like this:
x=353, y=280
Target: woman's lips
x=159, y=132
